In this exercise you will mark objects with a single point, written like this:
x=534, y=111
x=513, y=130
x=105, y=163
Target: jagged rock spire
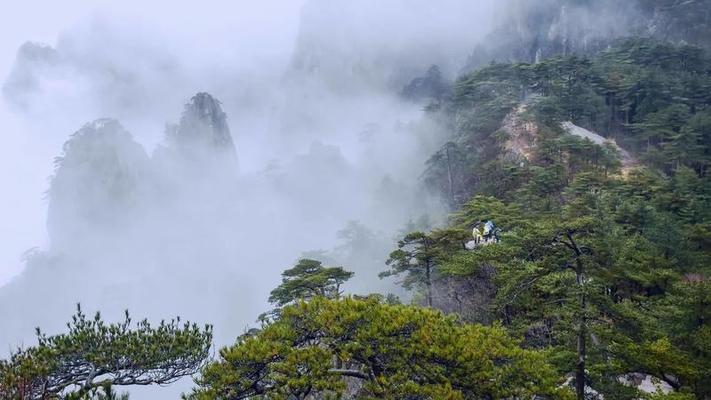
x=203, y=127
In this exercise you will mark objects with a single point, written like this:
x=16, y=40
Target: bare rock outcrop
x=522, y=136
x=200, y=145
x=628, y=161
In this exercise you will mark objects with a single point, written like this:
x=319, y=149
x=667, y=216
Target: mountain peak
x=96, y=183
x=204, y=122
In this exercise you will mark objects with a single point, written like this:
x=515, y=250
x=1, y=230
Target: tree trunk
x=450, y=178
x=428, y=282
x=582, y=329
x=582, y=332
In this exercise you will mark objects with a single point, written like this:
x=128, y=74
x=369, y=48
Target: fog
x=125, y=190
x=172, y=158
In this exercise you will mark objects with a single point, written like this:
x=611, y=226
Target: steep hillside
x=594, y=172
x=532, y=31
x=572, y=155
x=650, y=98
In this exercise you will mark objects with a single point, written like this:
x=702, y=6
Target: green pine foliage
x=602, y=265
x=652, y=98
x=366, y=349
x=307, y=279
x=94, y=355
x=609, y=269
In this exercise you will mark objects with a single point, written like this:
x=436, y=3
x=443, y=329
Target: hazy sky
x=214, y=30
x=310, y=93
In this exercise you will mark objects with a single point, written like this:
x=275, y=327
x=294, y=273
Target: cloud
x=322, y=139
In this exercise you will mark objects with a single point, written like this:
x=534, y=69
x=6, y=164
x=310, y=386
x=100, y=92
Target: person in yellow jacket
x=478, y=236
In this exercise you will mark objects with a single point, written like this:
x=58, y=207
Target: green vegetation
x=94, y=356
x=608, y=268
x=418, y=255
x=651, y=98
x=307, y=279
x=370, y=350
x=304, y=281
x=602, y=266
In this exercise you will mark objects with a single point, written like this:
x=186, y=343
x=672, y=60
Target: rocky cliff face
x=345, y=47
x=202, y=137
x=531, y=31
x=522, y=136
x=686, y=21
x=203, y=124
x=98, y=183
x=105, y=177
x=117, y=237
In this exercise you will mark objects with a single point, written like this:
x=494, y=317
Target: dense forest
x=575, y=263
x=600, y=255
